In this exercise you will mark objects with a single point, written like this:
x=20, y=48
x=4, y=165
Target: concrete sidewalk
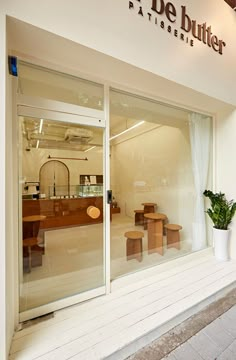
x=208, y=335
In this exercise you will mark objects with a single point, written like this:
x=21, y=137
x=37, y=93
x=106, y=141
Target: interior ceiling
x=126, y=110
x=54, y=135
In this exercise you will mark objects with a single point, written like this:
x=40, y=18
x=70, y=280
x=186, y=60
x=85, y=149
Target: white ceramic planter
x=221, y=244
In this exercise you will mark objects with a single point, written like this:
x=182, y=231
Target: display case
x=89, y=190
x=74, y=191
x=60, y=191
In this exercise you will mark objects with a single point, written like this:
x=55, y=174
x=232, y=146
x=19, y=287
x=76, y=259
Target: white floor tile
x=204, y=346
x=228, y=324
x=186, y=352
x=232, y=348
x=218, y=335
x=226, y=355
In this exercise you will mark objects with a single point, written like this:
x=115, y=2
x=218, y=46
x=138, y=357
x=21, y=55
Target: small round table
x=148, y=208
x=155, y=232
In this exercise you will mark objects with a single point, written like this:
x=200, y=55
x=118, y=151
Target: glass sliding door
x=157, y=177
x=61, y=212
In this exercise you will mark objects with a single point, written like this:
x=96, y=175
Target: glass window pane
x=156, y=216
x=48, y=84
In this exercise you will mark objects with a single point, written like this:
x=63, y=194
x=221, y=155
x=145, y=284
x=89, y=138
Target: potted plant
x=221, y=214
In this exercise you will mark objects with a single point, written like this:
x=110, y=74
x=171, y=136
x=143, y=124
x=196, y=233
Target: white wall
x=225, y=165
x=111, y=28
x=85, y=62
x=156, y=167
x=33, y=160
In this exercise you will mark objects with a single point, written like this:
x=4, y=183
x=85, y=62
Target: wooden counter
x=63, y=212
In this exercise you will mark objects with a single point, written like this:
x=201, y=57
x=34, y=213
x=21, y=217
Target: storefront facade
x=179, y=54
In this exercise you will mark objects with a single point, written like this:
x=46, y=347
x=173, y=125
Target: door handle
x=109, y=196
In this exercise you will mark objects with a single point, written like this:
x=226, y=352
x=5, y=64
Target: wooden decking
x=116, y=325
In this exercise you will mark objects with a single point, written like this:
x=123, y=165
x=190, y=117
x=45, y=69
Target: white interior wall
x=156, y=167
x=33, y=160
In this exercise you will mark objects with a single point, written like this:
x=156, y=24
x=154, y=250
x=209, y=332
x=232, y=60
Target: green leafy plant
x=221, y=211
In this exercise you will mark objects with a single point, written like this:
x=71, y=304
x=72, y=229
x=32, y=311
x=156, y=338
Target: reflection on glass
x=49, y=84
x=61, y=242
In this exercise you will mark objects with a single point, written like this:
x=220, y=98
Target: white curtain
x=200, y=127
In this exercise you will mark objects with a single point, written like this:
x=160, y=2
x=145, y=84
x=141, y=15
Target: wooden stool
x=134, y=246
x=138, y=217
x=173, y=237
x=148, y=208
x=32, y=253
x=31, y=228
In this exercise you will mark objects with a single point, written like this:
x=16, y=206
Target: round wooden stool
x=138, y=217
x=93, y=212
x=31, y=227
x=34, y=221
x=148, y=208
x=134, y=245
x=173, y=237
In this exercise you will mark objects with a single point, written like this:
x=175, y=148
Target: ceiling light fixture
x=40, y=126
x=92, y=147
x=125, y=131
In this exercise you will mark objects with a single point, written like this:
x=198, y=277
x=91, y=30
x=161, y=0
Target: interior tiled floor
x=73, y=261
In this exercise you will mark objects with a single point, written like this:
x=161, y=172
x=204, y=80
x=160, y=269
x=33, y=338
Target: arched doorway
x=54, y=179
